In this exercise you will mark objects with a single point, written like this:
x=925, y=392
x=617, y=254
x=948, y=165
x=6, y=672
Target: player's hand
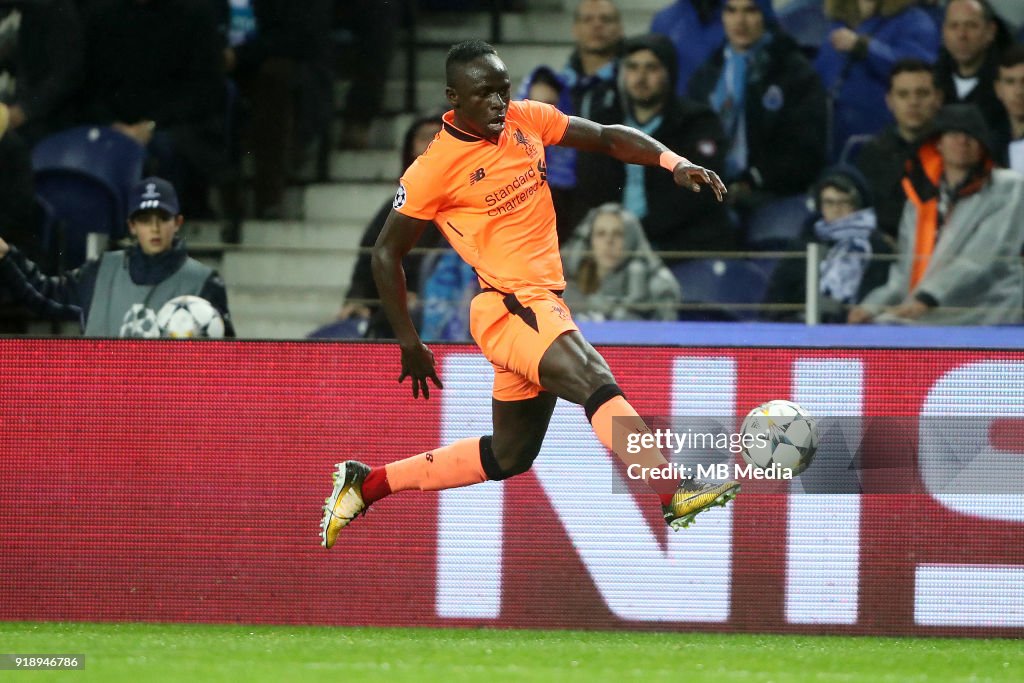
x=418, y=364
x=693, y=177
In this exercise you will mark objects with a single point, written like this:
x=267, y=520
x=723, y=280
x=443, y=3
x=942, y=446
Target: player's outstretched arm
x=395, y=241
x=636, y=147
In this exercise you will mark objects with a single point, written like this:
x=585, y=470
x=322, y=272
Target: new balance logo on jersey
x=476, y=176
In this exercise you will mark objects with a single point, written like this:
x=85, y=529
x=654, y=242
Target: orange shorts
x=514, y=331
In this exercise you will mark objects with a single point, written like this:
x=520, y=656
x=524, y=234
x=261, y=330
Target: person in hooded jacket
x=120, y=294
x=866, y=40
x=644, y=99
x=611, y=273
x=960, y=237
x=844, y=224
x=771, y=104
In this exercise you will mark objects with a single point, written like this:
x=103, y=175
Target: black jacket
x=294, y=30
x=785, y=113
x=882, y=160
x=677, y=218
x=983, y=95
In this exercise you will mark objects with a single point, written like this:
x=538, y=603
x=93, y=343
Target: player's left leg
x=573, y=370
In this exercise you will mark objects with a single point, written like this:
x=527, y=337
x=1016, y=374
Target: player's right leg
x=573, y=369
x=519, y=428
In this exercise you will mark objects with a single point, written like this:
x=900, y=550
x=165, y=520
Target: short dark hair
x=1014, y=56
x=911, y=65
x=463, y=53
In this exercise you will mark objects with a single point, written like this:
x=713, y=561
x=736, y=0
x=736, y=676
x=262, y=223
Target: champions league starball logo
x=400, y=197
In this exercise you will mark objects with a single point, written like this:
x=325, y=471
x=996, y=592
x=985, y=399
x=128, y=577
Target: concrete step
x=380, y=165
x=284, y=303
x=429, y=93
x=303, y=234
x=348, y=202
x=289, y=268
x=531, y=27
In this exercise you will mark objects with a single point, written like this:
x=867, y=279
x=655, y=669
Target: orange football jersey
x=492, y=200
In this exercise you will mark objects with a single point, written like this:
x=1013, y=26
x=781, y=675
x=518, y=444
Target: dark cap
x=963, y=118
x=153, y=193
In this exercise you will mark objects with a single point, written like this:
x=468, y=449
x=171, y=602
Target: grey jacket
x=975, y=272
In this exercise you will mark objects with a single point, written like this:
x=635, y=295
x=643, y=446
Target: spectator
x=844, y=224
x=279, y=53
x=362, y=298
x=46, y=64
x=120, y=294
x=1010, y=91
x=972, y=40
x=597, y=31
x=771, y=104
x=695, y=28
x=16, y=194
x=544, y=85
x=913, y=99
x=154, y=69
x=960, y=237
x=373, y=26
x=447, y=293
x=867, y=38
x=645, y=100
x=611, y=273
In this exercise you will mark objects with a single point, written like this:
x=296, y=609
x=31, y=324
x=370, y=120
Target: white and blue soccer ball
x=781, y=435
x=188, y=316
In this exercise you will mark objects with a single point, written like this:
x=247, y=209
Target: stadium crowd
x=890, y=132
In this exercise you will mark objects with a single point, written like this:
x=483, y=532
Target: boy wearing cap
x=119, y=294
x=960, y=235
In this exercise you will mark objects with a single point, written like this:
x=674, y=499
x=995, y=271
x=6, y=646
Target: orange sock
x=448, y=467
x=628, y=421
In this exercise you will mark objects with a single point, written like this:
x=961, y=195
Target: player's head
x=1010, y=82
x=153, y=215
x=478, y=88
x=746, y=21
x=913, y=96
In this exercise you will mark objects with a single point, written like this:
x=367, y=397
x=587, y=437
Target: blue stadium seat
x=722, y=282
x=775, y=224
x=86, y=173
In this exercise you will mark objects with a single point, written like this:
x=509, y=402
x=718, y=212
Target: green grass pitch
x=171, y=652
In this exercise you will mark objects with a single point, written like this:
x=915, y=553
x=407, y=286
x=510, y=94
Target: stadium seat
x=775, y=224
x=723, y=283
x=86, y=173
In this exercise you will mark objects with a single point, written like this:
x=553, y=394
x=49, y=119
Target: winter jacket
x=974, y=273
x=882, y=160
x=71, y=295
x=785, y=115
x=857, y=81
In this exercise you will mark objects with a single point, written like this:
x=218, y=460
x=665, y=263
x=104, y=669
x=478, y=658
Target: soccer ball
x=781, y=434
x=189, y=316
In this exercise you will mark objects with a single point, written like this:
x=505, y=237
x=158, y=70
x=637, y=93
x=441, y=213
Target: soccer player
x=482, y=182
